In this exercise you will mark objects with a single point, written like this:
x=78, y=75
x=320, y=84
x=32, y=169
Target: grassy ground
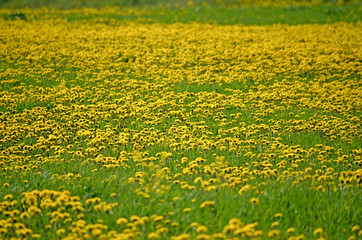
x=248, y=15
x=67, y=4
x=126, y=123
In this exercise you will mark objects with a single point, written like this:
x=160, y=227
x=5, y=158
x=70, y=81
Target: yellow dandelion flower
x=34, y=210
x=258, y=233
x=275, y=224
x=201, y=229
x=121, y=221
x=186, y=210
x=300, y=237
x=134, y=218
x=153, y=235
x=158, y=218
x=24, y=215
x=8, y=197
x=60, y=231
x=96, y=232
x=273, y=233
x=318, y=231
x=203, y=237
x=207, y=203
x=194, y=224
x=184, y=236
x=355, y=228
x=219, y=236
x=254, y=201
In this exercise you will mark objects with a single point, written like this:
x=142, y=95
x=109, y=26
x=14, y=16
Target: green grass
x=247, y=15
x=67, y=4
x=303, y=209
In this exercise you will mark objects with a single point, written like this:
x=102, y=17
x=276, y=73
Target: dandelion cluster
x=111, y=130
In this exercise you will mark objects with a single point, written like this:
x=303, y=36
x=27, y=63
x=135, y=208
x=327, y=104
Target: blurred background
x=68, y=4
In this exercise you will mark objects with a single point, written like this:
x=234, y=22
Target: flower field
x=125, y=129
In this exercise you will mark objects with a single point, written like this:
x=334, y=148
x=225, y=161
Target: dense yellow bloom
x=197, y=107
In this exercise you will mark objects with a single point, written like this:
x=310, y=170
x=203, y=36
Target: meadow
x=181, y=122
